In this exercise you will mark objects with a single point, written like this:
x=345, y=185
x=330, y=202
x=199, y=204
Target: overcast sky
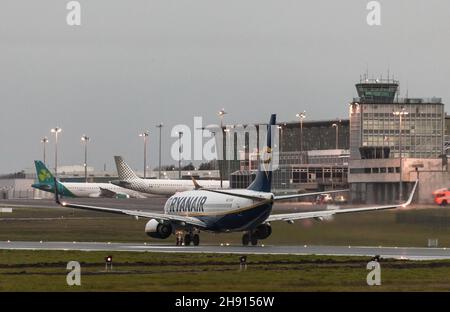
x=133, y=64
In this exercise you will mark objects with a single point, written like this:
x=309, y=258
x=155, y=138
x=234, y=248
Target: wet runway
x=412, y=253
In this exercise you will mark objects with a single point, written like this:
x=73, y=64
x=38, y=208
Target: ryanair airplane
x=234, y=210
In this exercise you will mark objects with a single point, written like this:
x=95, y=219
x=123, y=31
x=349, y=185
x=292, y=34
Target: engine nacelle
x=263, y=231
x=158, y=230
x=324, y=218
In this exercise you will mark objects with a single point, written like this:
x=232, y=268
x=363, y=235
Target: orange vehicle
x=442, y=196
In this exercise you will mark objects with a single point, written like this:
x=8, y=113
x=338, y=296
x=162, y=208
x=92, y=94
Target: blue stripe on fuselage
x=239, y=221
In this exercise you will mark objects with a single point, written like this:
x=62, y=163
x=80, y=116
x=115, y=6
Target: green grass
x=46, y=271
x=386, y=228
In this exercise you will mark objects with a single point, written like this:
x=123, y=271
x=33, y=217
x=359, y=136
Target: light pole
x=216, y=162
x=280, y=128
x=145, y=135
x=402, y=112
x=180, y=135
x=301, y=116
x=85, y=139
x=44, y=142
x=227, y=131
x=335, y=125
x=56, y=130
x=221, y=115
x=159, y=164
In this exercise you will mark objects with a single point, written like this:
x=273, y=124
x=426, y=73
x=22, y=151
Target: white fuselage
x=80, y=189
x=222, y=212
x=168, y=187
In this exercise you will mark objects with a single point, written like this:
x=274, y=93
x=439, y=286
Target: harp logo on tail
x=44, y=175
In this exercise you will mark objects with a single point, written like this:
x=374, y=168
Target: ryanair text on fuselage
x=187, y=204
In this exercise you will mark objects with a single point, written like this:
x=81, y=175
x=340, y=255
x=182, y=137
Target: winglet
x=410, y=198
x=196, y=185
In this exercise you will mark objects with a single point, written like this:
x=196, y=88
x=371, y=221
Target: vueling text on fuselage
x=187, y=204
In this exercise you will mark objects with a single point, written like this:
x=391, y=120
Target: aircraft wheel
x=196, y=240
x=254, y=240
x=245, y=239
x=187, y=240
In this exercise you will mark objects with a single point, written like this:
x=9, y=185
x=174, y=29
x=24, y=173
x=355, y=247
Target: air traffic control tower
x=375, y=128
x=378, y=138
x=377, y=90
x=371, y=93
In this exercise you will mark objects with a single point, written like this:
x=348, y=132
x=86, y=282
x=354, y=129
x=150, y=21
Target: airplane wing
x=290, y=217
x=275, y=198
x=135, y=213
x=107, y=193
x=104, y=192
x=282, y=197
x=231, y=193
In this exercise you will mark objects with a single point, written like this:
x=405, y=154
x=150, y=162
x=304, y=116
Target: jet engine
x=263, y=231
x=158, y=230
x=329, y=217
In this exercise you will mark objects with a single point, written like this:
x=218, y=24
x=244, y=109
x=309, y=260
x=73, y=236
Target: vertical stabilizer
x=123, y=170
x=263, y=180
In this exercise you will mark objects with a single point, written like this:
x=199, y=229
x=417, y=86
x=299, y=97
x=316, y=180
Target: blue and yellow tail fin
x=263, y=180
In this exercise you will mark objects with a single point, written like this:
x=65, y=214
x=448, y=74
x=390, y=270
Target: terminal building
x=447, y=136
x=363, y=152
x=320, y=162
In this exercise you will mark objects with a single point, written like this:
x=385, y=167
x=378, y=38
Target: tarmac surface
x=157, y=203
x=411, y=253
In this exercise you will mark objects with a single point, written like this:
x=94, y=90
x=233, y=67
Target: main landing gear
x=249, y=238
x=262, y=231
x=187, y=239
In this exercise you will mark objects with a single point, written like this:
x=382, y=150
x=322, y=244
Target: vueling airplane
x=222, y=211
x=128, y=179
x=46, y=182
